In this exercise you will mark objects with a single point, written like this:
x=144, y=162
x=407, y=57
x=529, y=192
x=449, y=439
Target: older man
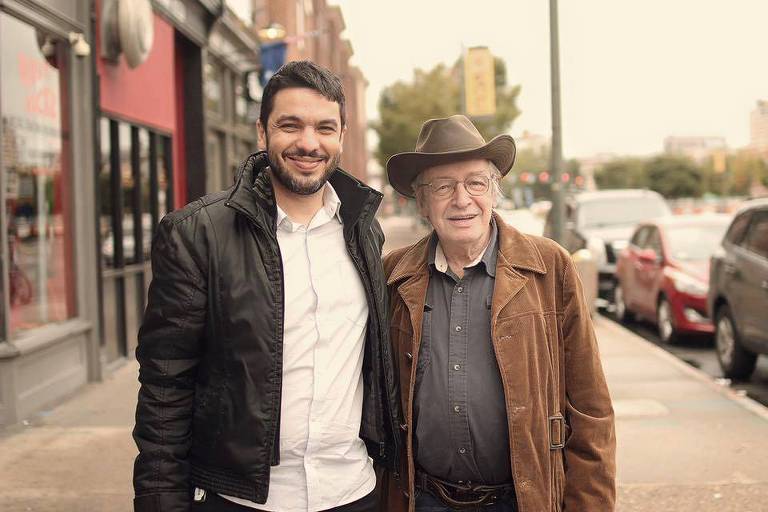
x=503, y=392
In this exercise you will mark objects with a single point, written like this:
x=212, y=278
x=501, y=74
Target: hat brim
x=403, y=168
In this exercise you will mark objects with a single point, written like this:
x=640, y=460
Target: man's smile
x=305, y=163
x=462, y=219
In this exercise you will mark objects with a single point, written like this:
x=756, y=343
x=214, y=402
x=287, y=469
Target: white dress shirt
x=323, y=461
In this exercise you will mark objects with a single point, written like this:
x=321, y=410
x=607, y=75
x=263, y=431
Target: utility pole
x=558, y=206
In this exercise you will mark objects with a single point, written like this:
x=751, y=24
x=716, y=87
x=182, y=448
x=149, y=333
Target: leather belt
x=463, y=495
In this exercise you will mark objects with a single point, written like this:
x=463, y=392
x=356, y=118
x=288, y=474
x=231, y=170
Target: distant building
x=533, y=141
x=698, y=149
x=758, y=128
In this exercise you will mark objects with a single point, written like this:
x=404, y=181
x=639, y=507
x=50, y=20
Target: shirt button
x=462, y=450
x=456, y=408
x=458, y=328
x=457, y=367
x=460, y=289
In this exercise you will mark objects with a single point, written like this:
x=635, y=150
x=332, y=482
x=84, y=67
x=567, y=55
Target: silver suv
x=602, y=222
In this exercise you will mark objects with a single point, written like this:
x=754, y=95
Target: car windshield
x=694, y=243
x=621, y=211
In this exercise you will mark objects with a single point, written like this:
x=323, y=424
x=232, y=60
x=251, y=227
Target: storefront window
x=105, y=195
x=35, y=162
x=146, y=214
x=214, y=89
x=127, y=140
x=241, y=103
x=163, y=166
x=231, y=123
x=135, y=187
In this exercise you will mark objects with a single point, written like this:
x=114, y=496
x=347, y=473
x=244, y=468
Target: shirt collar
x=436, y=257
x=331, y=208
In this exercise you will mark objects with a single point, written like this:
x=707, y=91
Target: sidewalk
x=685, y=443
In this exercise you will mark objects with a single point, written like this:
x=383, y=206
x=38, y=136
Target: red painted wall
x=146, y=95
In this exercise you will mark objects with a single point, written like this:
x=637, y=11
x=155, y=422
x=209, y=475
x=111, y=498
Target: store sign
x=479, y=83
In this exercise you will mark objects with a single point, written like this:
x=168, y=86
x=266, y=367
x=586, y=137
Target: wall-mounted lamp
x=273, y=32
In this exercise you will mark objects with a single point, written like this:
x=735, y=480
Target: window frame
x=758, y=217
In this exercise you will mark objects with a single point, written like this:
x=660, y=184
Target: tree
x=621, y=173
x=674, y=176
x=404, y=106
x=745, y=171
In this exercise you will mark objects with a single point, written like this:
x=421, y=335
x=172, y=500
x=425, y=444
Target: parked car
x=738, y=295
x=602, y=222
x=663, y=273
x=522, y=219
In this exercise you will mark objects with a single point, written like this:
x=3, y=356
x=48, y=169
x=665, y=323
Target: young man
x=505, y=401
x=266, y=374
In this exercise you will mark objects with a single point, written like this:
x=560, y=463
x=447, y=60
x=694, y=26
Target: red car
x=663, y=274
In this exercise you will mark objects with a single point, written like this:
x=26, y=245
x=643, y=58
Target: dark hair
x=302, y=73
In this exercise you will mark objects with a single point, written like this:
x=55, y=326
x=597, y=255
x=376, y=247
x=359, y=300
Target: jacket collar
x=515, y=252
x=254, y=196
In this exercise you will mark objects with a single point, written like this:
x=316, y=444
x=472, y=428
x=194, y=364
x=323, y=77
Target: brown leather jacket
x=546, y=349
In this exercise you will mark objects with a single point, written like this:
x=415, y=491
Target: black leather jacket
x=210, y=347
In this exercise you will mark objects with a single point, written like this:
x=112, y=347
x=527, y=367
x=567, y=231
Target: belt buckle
x=559, y=442
x=491, y=499
x=469, y=496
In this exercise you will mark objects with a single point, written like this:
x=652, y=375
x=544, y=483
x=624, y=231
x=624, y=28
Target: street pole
x=558, y=206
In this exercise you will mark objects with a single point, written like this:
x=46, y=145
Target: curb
x=747, y=403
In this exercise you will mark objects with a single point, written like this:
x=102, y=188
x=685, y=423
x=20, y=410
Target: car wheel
x=736, y=361
x=623, y=314
x=664, y=321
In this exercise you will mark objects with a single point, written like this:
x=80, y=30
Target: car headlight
x=597, y=247
x=686, y=284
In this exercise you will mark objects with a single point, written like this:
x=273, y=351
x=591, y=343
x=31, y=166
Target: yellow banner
x=479, y=83
x=719, y=161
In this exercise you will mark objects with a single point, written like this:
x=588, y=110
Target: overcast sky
x=632, y=71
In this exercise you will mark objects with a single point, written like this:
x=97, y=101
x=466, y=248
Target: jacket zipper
x=382, y=346
x=275, y=449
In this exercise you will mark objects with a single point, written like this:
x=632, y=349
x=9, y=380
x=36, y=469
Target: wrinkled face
x=460, y=219
x=303, y=138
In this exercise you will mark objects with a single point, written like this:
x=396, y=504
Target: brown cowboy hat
x=446, y=140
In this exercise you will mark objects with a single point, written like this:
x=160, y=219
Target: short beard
x=304, y=187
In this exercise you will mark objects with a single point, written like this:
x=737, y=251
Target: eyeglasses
x=475, y=185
